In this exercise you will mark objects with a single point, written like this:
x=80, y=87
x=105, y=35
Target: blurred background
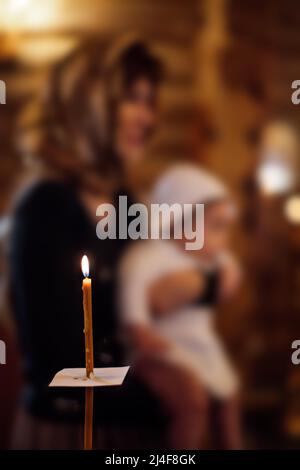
x=225, y=103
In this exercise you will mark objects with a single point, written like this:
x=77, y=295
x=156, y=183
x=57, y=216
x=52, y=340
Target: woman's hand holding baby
x=176, y=290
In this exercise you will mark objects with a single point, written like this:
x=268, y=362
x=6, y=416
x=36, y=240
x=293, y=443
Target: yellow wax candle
x=88, y=319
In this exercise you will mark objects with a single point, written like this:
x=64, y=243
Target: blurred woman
x=99, y=113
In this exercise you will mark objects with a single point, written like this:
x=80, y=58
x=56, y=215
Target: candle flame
x=85, y=266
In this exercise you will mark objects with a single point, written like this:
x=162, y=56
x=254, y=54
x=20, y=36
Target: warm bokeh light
x=17, y=5
x=46, y=51
x=276, y=173
x=292, y=209
x=20, y=15
x=274, y=177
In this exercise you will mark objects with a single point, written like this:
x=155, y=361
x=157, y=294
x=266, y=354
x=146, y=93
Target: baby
x=186, y=336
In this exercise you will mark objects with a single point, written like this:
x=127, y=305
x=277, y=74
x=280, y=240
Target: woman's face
x=135, y=120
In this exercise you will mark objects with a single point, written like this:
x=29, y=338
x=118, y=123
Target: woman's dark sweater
x=51, y=232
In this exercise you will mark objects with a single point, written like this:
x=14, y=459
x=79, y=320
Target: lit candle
x=88, y=319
